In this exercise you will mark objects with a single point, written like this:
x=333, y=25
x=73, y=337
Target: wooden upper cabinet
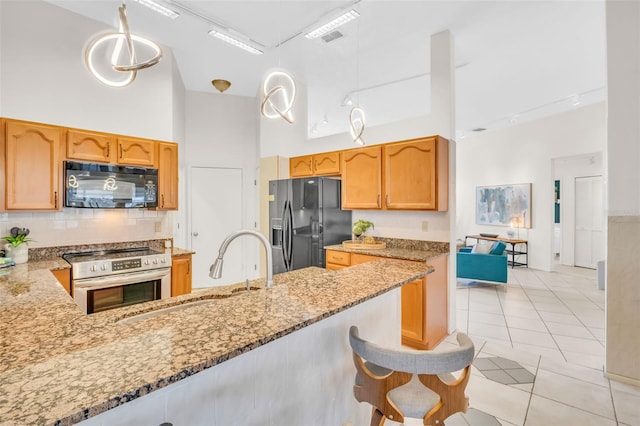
x=90, y=146
x=32, y=166
x=327, y=163
x=323, y=164
x=301, y=166
x=362, y=178
x=412, y=173
x=167, y=176
x=136, y=152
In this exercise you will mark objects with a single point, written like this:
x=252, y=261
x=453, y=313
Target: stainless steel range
x=109, y=279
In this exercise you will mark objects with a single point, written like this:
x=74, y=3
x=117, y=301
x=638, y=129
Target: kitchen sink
x=145, y=315
x=244, y=289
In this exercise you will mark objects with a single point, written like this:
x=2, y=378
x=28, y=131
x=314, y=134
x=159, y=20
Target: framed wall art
x=504, y=205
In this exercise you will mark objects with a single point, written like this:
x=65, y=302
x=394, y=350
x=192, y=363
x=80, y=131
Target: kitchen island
x=59, y=366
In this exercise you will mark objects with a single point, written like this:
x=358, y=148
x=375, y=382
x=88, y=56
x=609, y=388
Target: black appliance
x=305, y=215
x=93, y=185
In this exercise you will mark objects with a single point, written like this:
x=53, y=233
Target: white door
x=216, y=211
x=589, y=237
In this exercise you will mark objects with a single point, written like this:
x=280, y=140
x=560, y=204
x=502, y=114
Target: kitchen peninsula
x=59, y=366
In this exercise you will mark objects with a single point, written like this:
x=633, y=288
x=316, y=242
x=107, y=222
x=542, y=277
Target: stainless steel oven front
x=115, y=291
x=108, y=279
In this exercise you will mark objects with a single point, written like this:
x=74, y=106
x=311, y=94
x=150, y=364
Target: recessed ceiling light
x=235, y=42
x=159, y=8
x=333, y=24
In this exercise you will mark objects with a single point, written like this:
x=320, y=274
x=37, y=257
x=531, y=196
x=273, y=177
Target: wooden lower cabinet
x=424, y=301
x=64, y=277
x=181, y=275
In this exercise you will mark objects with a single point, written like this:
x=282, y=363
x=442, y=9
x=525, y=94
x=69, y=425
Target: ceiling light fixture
x=333, y=24
x=235, y=42
x=157, y=7
x=122, y=37
x=347, y=101
x=357, y=125
x=221, y=85
x=278, y=101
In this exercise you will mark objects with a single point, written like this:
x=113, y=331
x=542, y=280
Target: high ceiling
x=515, y=60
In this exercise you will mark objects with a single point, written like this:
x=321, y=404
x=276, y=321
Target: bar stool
x=411, y=383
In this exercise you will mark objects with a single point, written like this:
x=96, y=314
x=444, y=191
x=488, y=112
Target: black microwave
x=109, y=186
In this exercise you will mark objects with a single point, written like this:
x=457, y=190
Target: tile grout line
x=526, y=414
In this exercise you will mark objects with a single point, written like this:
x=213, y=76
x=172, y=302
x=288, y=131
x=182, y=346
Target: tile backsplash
x=89, y=226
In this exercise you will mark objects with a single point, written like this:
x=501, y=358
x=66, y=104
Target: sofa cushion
x=482, y=248
x=498, y=248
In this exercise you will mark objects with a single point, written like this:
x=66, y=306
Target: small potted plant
x=360, y=227
x=17, y=248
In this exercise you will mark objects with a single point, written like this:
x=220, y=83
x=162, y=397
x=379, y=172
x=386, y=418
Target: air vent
x=479, y=129
x=328, y=38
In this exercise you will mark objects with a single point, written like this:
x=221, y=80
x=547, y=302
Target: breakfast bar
x=60, y=366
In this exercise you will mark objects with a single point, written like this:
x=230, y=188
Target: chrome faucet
x=215, y=271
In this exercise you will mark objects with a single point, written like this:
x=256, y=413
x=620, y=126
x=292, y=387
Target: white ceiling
x=516, y=60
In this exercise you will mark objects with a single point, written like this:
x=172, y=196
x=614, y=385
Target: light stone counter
x=59, y=366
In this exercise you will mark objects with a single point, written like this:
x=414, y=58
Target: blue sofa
x=491, y=266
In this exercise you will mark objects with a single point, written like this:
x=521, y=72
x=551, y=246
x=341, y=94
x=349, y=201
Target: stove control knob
x=93, y=268
x=104, y=267
x=155, y=261
x=146, y=262
x=163, y=260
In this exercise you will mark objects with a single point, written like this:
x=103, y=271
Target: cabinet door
x=327, y=163
x=64, y=277
x=334, y=266
x=181, y=275
x=410, y=180
x=362, y=178
x=89, y=146
x=32, y=167
x=136, y=152
x=436, y=300
x=301, y=166
x=413, y=313
x=167, y=176
x=357, y=258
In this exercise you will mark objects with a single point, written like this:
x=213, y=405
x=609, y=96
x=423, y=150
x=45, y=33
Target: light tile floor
x=552, y=324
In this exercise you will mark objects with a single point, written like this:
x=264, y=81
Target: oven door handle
x=121, y=279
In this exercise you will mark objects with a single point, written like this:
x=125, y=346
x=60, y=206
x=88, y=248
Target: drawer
x=338, y=257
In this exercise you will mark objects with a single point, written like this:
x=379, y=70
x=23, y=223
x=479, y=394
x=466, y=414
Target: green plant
x=18, y=236
x=361, y=226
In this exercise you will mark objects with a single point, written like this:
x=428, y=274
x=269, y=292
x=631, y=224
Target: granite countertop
x=406, y=253
x=59, y=366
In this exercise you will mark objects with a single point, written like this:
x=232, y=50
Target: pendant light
x=278, y=90
x=120, y=39
x=356, y=115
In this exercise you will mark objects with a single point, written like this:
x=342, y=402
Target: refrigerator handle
x=285, y=236
x=290, y=235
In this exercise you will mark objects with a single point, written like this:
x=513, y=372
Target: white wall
x=222, y=131
x=522, y=154
x=43, y=78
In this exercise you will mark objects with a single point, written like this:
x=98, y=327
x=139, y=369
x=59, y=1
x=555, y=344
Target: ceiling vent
x=328, y=38
x=479, y=129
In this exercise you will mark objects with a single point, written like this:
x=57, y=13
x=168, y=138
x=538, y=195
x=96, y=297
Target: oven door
x=115, y=291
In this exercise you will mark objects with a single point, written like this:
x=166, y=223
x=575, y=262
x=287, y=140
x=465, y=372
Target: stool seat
x=406, y=382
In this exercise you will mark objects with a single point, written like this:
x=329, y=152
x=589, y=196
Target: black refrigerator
x=305, y=215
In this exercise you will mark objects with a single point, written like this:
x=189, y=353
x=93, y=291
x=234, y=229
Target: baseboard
x=623, y=379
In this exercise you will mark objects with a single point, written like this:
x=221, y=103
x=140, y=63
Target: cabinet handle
x=315, y=165
x=310, y=165
x=188, y=268
x=55, y=199
x=337, y=257
x=386, y=199
x=162, y=203
x=108, y=148
x=120, y=151
x=379, y=205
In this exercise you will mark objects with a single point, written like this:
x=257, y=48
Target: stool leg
x=377, y=418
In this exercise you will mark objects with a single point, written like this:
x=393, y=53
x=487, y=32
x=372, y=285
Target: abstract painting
x=504, y=205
